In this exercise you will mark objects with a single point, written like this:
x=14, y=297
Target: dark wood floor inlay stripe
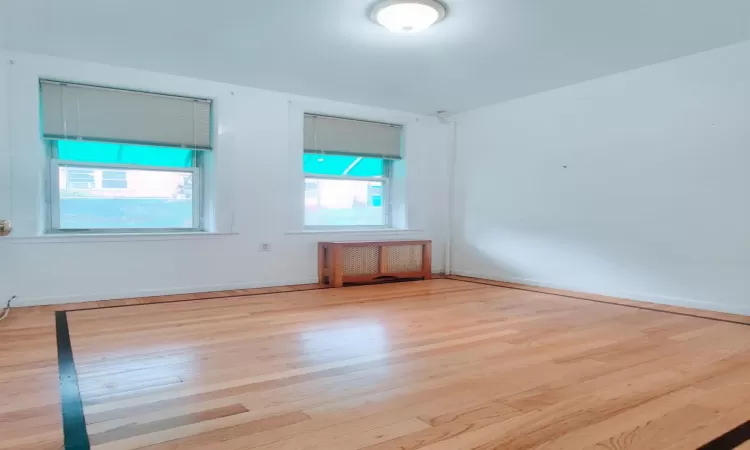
x=74, y=423
x=731, y=439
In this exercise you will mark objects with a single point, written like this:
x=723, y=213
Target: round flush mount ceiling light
x=407, y=16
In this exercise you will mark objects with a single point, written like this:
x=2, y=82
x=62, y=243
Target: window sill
x=63, y=238
x=366, y=231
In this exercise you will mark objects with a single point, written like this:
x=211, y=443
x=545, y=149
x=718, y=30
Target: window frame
x=53, y=193
x=385, y=200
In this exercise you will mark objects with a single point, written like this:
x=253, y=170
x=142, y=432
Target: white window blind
x=335, y=135
x=72, y=111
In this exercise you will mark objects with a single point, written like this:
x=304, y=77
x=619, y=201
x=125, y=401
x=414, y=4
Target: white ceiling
x=485, y=51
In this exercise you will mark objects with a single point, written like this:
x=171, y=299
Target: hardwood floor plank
x=658, y=433
x=211, y=431
x=448, y=426
x=275, y=379
x=226, y=434
x=706, y=433
x=138, y=429
x=612, y=427
x=439, y=364
x=358, y=434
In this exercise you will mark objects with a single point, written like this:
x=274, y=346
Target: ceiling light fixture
x=407, y=16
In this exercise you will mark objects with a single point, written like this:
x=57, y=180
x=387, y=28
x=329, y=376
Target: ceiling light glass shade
x=408, y=16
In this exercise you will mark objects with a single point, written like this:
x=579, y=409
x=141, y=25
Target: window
x=114, y=179
x=345, y=190
x=111, y=170
x=102, y=186
x=79, y=179
x=347, y=166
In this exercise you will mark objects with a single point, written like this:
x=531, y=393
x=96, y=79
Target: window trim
x=386, y=197
x=53, y=194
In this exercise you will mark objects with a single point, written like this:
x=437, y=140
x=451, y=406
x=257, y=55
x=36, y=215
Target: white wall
x=5, y=288
x=653, y=204
x=4, y=140
x=635, y=185
x=259, y=195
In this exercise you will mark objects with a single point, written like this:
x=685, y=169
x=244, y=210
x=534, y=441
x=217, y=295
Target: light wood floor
x=441, y=364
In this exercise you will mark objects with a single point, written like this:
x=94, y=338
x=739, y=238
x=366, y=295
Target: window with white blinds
x=124, y=161
x=90, y=113
x=339, y=136
x=347, y=165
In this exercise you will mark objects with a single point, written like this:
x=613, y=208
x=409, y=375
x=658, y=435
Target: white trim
x=100, y=296
x=385, y=194
x=196, y=195
x=108, y=88
x=353, y=119
x=452, y=192
x=147, y=235
x=346, y=177
x=629, y=295
x=114, y=166
x=53, y=212
x=364, y=230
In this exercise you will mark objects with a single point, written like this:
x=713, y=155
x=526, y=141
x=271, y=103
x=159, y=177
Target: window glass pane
x=318, y=164
x=80, y=179
x=92, y=198
x=98, y=152
x=114, y=179
x=343, y=203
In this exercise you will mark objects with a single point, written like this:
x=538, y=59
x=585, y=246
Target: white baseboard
x=653, y=298
x=636, y=296
x=96, y=296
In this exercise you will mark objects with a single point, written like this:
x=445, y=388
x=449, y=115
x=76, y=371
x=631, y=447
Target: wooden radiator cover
x=362, y=262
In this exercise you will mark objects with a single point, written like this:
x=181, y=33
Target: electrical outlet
x=265, y=247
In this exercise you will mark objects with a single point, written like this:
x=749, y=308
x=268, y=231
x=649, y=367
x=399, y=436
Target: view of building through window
x=343, y=202
x=120, y=193
x=129, y=199
x=345, y=190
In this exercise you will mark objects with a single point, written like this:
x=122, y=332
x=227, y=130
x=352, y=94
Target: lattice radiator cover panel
x=404, y=258
x=361, y=260
x=340, y=263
